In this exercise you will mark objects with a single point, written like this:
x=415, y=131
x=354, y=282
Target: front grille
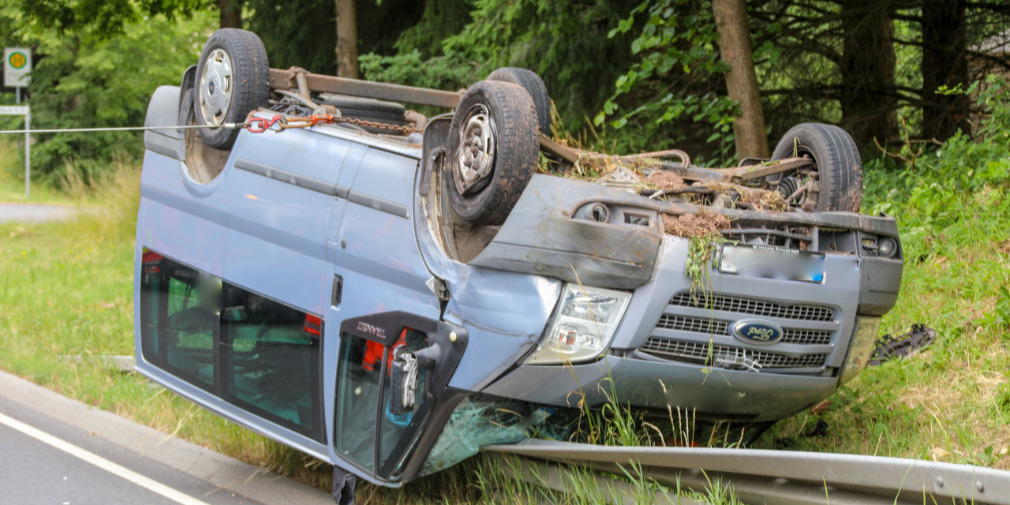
x=709, y=326
x=806, y=337
x=800, y=238
x=754, y=307
x=693, y=324
x=725, y=356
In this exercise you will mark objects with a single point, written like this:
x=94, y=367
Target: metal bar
x=28, y=154
x=767, y=231
x=286, y=79
x=744, y=174
x=601, y=489
x=897, y=479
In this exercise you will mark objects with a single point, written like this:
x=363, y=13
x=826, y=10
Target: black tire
x=533, y=85
x=512, y=160
x=836, y=158
x=222, y=98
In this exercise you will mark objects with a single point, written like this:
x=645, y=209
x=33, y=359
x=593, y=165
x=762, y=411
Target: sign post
x=23, y=110
x=17, y=67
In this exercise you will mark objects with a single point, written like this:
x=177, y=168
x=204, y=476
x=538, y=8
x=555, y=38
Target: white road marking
x=100, y=462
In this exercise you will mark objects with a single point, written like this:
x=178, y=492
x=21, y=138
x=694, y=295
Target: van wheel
x=493, y=145
x=838, y=170
x=533, y=85
x=232, y=79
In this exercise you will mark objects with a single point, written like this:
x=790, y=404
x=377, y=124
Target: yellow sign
x=17, y=66
x=18, y=60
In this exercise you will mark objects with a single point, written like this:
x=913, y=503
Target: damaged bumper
x=678, y=347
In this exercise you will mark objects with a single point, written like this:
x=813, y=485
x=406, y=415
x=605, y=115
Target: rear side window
x=254, y=352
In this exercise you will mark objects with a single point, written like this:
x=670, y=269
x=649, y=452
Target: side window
x=253, y=352
x=272, y=355
x=368, y=430
x=179, y=319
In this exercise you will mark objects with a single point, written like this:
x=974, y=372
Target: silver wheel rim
x=216, y=87
x=474, y=160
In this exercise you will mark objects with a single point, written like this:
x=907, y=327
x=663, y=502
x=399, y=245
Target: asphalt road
x=33, y=212
x=56, y=451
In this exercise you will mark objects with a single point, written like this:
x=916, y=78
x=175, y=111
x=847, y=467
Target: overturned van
x=342, y=275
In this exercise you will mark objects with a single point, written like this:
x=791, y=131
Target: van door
x=376, y=270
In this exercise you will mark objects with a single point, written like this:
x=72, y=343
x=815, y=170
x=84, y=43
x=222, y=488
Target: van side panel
x=282, y=194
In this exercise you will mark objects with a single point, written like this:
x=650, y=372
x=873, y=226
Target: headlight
x=862, y=346
x=583, y=325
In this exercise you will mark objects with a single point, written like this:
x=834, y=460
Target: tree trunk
x=944, y=62
x=869, y=106
x=741, y=82
x=231, y=13
x=347, y=40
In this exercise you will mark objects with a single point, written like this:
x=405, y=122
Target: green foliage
x=565, y=42
x=671, y=94
x=978, y=166
x=84, y=77
x=302, y=33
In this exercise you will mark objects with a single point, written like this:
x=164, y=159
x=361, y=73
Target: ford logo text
x=757, y=332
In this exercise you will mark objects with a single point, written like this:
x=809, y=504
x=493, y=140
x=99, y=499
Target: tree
x=347, y=39
x=231, y=13
x=867, y=94
x=741, y=82
x=944, y=64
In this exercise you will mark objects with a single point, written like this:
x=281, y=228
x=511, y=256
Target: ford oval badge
x=757, y=332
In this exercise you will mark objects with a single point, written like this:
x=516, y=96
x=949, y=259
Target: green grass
x=12, y=177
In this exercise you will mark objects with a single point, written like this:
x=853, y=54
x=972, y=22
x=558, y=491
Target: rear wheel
x=232, y=79
x=835, y=182
x=492, y=147
x=533, y=85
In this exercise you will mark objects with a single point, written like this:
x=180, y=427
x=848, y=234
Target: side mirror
x=403, y=376
x=403, y=382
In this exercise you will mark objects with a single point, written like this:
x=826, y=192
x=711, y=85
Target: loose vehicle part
x=232, y=79
x=493, y=151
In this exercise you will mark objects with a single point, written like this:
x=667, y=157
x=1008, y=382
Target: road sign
x=13, y=110
x=17, y=64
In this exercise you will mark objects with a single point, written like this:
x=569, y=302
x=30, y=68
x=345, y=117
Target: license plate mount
x=771, y=262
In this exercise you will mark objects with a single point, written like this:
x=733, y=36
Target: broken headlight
x=583, y=325
x=861, y=347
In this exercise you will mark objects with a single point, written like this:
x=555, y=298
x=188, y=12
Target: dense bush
x=925, y=185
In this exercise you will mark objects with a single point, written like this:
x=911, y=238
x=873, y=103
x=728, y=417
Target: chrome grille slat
x=721, y=327
x=702, y=353
x=765, y=308
x=693, y=324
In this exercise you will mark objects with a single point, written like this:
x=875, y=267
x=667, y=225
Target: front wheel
x=492, y=146
x=835, y=183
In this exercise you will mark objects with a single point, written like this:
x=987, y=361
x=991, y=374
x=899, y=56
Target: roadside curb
x=227, y=473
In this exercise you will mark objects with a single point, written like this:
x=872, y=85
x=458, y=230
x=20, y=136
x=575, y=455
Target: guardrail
x=790, y=477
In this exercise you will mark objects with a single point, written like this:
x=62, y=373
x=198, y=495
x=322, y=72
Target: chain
x=260, y=125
